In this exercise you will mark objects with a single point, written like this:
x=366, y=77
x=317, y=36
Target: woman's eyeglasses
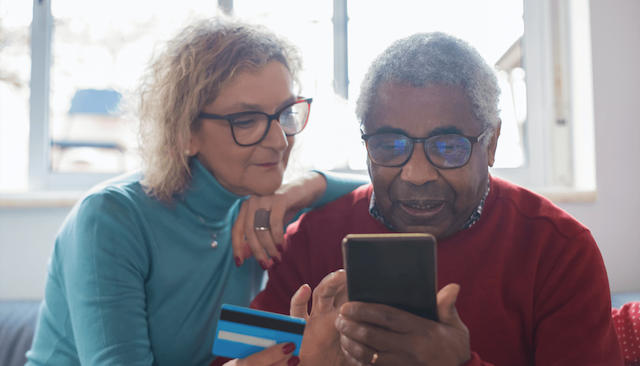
x=443, y=151
x=250, y=128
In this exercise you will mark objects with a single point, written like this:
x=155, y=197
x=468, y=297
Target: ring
x=261, y=220
x=374, y=358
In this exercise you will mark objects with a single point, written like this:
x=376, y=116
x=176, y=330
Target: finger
x=447, y=311
x=300, y=301
x=366, y=335
x=357, y=352
x=265, y=236
x=237, y=235
x=383, y=316
x=324, y=296
x=255, y=244
x=272, y=355
x=277, y=223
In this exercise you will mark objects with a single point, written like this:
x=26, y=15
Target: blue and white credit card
x=242, y=331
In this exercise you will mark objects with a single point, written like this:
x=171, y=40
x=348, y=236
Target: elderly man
x=531, y=281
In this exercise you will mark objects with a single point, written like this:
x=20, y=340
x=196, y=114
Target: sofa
x=18, y=323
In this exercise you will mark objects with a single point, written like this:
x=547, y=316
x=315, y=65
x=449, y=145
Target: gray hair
x=425, y=59
x=189, y=74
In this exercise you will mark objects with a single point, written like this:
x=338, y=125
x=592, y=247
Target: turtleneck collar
x=206, y=195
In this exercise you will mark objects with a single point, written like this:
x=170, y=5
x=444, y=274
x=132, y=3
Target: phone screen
x=398, y=270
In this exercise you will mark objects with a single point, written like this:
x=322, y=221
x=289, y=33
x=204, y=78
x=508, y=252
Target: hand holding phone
x=398, y=270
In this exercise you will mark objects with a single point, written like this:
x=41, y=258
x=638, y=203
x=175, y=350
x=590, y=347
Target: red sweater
x=534, y=288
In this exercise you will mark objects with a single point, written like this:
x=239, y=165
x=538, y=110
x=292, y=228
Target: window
x=539, y=48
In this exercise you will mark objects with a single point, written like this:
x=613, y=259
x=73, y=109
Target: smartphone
x=398, y=270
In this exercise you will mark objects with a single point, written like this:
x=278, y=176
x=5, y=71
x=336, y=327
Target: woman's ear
x=493, y=144
x=192, y=147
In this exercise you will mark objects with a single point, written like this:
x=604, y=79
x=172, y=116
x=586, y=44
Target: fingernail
x=276, y=261
x=263, y=264
x=288, y=348
x=339, y=322
x=279, y=248
x=238, y=261
x=293, y=361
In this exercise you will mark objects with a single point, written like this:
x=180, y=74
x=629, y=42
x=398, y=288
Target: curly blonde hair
x=188, y=75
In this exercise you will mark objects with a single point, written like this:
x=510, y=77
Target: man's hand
x=402, y=338
x=321, y=341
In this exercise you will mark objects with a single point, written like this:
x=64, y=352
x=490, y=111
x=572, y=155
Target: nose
x=276, y=138
x=418, y=170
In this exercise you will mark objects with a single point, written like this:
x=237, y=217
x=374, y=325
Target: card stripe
x=246, y=339
x=263, y=322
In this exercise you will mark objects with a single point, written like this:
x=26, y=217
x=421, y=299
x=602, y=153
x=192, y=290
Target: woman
x=143, y=263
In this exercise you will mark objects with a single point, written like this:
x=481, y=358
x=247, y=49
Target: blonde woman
x=143, y=263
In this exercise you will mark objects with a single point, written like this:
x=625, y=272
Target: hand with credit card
x=257, y=337
x=278, y=355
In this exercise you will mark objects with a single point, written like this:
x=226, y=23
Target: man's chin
x=436, y=228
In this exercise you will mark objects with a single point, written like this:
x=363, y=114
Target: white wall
x=26, y=235
x=26, y=240
x=614, y=219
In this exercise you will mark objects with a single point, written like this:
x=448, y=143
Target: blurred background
x=569, y=105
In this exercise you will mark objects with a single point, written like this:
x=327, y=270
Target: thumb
x=300, y=301
x=447, y=306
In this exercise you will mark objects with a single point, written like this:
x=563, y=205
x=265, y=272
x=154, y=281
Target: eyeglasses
x=442, y=151
x=250, y=128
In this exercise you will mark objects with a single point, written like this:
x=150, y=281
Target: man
x=531, y=281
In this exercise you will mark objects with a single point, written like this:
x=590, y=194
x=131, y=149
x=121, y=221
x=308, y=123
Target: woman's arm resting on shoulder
x=311, y=190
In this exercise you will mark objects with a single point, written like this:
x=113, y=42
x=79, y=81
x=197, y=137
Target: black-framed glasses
x=250, y=128
x=442, y=151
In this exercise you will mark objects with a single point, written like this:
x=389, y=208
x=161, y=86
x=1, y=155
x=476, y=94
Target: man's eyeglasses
x=250, y=128
x=443, y=151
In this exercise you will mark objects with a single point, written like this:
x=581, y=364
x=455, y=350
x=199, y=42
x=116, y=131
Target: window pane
x=331, y=126
x=99, y=53
x=494, y=27
x=15, y=73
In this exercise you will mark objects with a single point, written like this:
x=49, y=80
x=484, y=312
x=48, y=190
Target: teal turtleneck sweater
x=133, y=281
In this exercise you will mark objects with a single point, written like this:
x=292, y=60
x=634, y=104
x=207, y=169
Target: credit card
x=242, y=331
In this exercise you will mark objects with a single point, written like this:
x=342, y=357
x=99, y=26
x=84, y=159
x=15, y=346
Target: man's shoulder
x=349, y=212
x=355, y=202
x=524, y=204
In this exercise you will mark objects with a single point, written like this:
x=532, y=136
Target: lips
x=422, y=208
x=267, y=165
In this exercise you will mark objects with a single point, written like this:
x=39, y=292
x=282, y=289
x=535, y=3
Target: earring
x=186, y=152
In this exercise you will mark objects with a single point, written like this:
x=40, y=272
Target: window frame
x=539, y=172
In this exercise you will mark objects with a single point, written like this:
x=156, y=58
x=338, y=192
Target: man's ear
x=493, y=144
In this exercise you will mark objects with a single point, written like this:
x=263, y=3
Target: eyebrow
x=445, y=130
x=248, y=107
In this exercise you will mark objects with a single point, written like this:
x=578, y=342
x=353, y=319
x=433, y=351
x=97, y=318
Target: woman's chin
x=265, y=186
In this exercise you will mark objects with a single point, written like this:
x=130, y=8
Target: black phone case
x=398, y=270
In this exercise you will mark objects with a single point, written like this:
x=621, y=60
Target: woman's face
x=245, y=170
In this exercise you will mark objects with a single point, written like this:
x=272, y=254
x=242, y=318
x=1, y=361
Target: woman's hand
x=283, y=205
x=278, y=355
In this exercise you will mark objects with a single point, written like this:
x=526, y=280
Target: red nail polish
x=279, y=248
x=263, y=264
x=293, y=361
x=276, y=261
x=288, y=348
x=238, y=262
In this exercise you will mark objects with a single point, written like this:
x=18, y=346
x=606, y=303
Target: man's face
x=419, y=197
